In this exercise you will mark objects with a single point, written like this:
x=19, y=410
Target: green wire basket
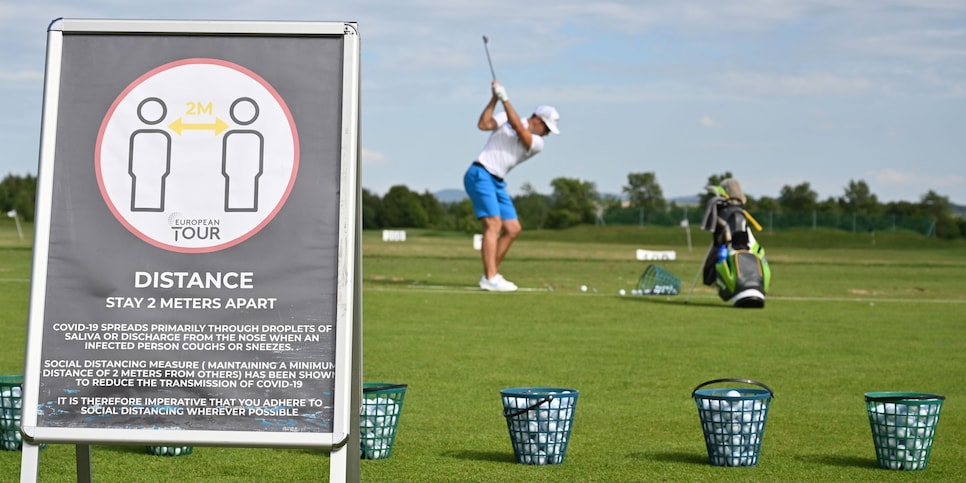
x=658, y=281
x=381, y=407
x=540, y=420
x=733, y=420
x=903, y=426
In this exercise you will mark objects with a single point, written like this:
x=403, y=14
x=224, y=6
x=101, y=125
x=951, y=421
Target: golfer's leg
x=511, y=228
x=490, y=247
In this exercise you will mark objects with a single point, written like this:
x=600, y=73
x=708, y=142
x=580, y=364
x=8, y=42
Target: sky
x=777, y=92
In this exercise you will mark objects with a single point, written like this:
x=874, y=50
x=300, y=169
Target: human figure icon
x=149, y=158
x=242, y=158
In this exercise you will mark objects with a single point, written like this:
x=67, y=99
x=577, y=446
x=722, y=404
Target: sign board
x=642, y=254
x=196, y=255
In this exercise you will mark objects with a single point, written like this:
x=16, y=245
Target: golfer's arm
x=523, y=132
x=487, y=122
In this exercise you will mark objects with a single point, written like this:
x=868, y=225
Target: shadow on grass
x=392, y=281
x=673, y=457
x=837, y=460
x=495, y=456
x=122, y=448
x=680, y=301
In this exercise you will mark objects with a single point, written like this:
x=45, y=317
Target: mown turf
x=839, y=321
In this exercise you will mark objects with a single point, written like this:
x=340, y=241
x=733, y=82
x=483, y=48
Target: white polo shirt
x=504, y=150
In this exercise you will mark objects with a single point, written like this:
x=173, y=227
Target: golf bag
x=736, y=262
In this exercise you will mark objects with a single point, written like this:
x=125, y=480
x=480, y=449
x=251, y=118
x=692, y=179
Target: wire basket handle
x=383, y=387
x=532, y=407
x=743, y=381
x=895, y=399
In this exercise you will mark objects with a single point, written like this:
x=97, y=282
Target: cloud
x=818, y=84
x=373, y=158
x=936, y=181
x=20, y=76
x=734, y=146
x=918, y=47
x=709, y=122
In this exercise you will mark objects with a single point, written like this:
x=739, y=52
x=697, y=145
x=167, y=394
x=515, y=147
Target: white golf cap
x=550, y=117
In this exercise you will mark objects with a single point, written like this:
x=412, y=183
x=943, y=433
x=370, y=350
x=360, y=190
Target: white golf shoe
x=497, y=284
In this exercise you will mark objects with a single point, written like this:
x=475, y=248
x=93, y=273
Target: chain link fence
x=771, y=220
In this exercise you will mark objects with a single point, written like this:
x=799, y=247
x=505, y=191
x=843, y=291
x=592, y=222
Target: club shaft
x=693, y=283
x=488, y=61
x=700, y=271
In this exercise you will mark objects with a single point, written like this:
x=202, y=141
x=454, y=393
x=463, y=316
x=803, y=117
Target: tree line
x=575, y=202
x=19, y=194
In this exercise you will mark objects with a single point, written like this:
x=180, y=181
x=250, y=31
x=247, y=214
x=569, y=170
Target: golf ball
x=583, y=288
x=623, y=292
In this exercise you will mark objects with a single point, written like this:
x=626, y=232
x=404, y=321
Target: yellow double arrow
x=218, y=126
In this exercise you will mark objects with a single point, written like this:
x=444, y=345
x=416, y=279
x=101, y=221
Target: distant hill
x=686, y=200
x=450, y=196
x=456, y=195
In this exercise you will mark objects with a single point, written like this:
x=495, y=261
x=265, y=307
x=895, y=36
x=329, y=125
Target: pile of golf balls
x=169, y=450
x=378, y=425
x=903, y=433
x=660, y=290
x=10, y=401
x=733, y=428
x=540, y=435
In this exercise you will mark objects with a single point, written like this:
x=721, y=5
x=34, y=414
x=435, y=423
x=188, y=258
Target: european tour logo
x=197, y=155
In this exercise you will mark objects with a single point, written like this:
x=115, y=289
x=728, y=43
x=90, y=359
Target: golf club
x=486, y=41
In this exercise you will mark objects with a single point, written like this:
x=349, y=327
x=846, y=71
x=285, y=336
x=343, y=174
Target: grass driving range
x=844, y=316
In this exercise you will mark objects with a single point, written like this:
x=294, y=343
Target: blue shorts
x=488, y=194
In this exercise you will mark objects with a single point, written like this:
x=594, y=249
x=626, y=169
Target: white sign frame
x=348, y=305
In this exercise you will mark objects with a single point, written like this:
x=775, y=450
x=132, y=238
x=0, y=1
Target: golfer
x=512, y=141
